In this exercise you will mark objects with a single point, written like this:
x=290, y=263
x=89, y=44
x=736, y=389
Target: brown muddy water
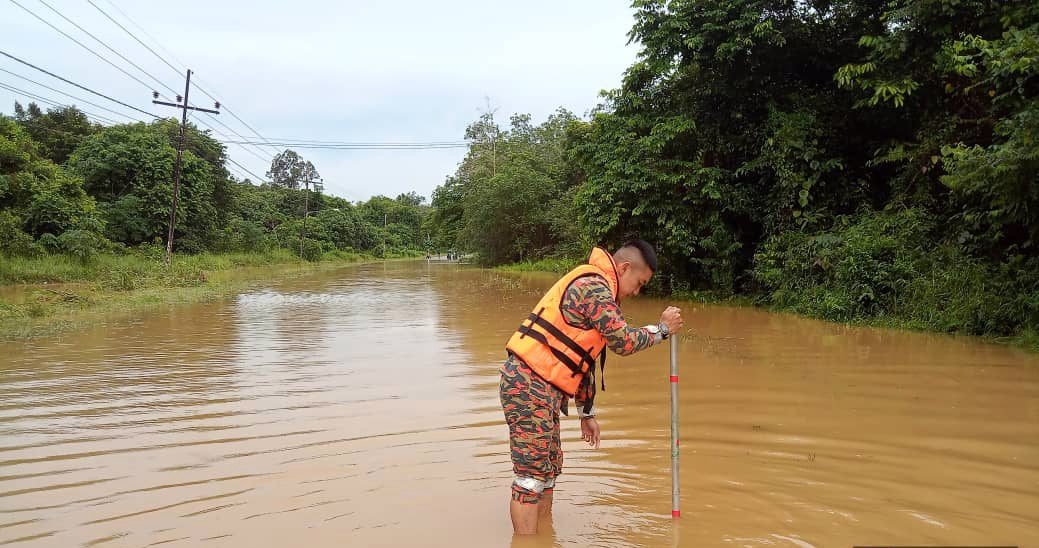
x=360, y=408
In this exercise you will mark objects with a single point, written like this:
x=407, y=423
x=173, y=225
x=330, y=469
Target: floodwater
x=360, y=408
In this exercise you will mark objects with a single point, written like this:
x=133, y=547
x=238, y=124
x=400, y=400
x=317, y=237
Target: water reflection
x=360, y=407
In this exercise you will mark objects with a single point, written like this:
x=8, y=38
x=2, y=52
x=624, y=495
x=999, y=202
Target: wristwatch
x=661, y=329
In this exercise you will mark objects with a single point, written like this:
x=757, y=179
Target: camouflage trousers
x=531, y=406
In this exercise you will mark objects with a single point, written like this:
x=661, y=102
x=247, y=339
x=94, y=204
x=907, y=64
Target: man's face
x=633, y=276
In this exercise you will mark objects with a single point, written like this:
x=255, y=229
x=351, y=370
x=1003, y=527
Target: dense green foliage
x=852, y=160
x=69, y=187
x=511, y=197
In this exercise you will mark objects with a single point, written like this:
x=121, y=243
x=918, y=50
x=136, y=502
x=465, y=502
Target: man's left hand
x=590, y=431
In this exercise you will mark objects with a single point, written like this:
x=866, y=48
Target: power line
x=127, y=60
x=53, y=102
x=244, y=140
x=132, y=35
x=235, y=116
x=101, y=118
x=196, y=140
x=237, y=172
x=29, y=95
x=80, y=86
x=110, y=48
x=175, y=69
x=229, y=139
x=258, y=178
x=70, y=95
x=81, y=44
x=250, y=151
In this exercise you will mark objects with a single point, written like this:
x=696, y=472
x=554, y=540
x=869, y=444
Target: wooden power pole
x=306, y=213
x=183, y=106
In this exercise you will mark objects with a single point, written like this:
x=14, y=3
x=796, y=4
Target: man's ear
x=622, y=268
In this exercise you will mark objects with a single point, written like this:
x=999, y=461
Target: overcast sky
x=407, y=70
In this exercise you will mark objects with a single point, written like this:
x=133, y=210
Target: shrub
x=879, y=266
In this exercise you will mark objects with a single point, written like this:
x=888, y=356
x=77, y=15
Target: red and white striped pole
x=675, y=511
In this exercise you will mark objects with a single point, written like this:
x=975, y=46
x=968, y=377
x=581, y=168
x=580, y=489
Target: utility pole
x=180, y=153
x=306, y=213
x=385, y=216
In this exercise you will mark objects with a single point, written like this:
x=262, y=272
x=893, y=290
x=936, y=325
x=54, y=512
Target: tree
x=202, y=144
x=850, y=159
x=129, y=170
x=445, y=220
x=971, y=85
x=411, y=198
x=58, y=131
x=39, y=197
x=289, y=170
x=511, y=197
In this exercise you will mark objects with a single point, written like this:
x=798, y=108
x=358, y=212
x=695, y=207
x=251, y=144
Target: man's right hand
x=672, y=318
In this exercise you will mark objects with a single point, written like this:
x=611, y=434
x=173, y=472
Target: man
x=552, y=358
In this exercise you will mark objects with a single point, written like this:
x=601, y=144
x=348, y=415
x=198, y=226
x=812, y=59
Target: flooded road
x=360, y=408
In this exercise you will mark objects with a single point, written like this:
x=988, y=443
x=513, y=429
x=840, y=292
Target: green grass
x=713, y=297
x=52, y=294
x=124, y=271
x=557, y=266
x=1029, y=339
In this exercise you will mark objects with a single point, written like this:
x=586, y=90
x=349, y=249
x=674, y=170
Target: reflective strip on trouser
x=533, y=485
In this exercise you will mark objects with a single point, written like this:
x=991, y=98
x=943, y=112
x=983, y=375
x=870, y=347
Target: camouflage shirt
x=588, y=304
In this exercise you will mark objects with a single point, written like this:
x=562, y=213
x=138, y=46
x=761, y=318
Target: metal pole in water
x=675, y=511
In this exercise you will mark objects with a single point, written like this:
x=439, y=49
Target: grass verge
x=555, y=266
x=48, y=295
x=1029, y=340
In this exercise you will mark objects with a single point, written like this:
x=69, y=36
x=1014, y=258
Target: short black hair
x=645, y=250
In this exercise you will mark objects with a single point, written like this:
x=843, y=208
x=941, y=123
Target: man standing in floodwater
x=552, y=358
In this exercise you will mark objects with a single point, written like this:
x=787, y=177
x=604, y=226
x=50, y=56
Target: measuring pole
x=675, y=511
x=180, y=152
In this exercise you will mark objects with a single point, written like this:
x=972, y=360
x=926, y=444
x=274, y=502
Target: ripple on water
x=362, y=405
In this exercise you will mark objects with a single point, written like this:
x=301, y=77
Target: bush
x=82, y=244
x=558, y=266
x=152, y=251
x=857, y=270
x=880, y=266
x=12, y=240
x=312, y=250
x=49, y=243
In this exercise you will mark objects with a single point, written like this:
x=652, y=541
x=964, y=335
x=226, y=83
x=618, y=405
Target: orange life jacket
x=562, y=353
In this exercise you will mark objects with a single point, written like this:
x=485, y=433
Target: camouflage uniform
x=532, y=405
